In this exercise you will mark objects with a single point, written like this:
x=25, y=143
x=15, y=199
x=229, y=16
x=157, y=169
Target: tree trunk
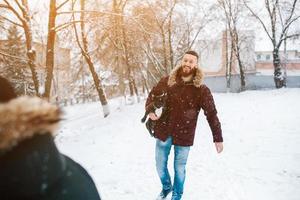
x=242, y=73
x=84, y=51
x=241, y=66
x=136, y=91
x=50, y=49
x=227, y=64
x=130, y=84
x=164, y=50
x=126, y=52
x=120, y=80
x=230, y=65
x=279, y=79
x=130, y=75
x=116, y=37
x=170, y=45
x=228, y=61
x=98, y=84
x=31, y=54
x=146, y=86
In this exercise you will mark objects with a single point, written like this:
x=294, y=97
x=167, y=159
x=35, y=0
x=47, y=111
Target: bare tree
x=21, y=12
x=52, y=30
x=85, y=53
x=233, y=10
x=282, y=15
x=50, y=48
x=163, y=15
x=116, y=48
x=166, y=35
x=130, y=71
x=228, y=60
x=115, y=43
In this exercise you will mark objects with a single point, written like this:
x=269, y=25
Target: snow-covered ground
x=260, y=161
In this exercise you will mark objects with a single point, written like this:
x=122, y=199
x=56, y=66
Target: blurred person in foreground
x=31, y=167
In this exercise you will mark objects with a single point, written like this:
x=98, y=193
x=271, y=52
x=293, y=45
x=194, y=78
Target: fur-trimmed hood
x=197, y=80
x=24, y=117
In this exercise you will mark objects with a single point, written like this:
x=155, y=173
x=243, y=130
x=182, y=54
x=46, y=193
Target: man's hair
x=194, y=53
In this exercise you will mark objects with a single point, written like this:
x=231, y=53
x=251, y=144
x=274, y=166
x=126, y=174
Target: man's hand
x=153, y=116
x=219, y=146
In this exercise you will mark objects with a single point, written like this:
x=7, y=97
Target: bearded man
x=186, y=96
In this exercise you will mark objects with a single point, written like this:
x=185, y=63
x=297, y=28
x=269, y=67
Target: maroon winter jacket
x=185, y=99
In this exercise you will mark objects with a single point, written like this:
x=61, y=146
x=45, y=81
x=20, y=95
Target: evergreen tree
x=14, y=68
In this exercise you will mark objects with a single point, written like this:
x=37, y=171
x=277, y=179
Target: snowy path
x=261, y=159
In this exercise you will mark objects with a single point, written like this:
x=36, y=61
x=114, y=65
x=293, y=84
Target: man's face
x=188, y=63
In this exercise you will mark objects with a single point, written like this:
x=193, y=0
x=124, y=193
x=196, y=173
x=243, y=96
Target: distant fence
x=215, y=83
x=253, y=82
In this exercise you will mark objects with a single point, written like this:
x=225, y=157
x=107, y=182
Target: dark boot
x=163, y=194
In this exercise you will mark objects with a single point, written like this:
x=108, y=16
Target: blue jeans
x=162, y=151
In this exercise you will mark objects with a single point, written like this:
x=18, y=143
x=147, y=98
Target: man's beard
x=186, y=74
